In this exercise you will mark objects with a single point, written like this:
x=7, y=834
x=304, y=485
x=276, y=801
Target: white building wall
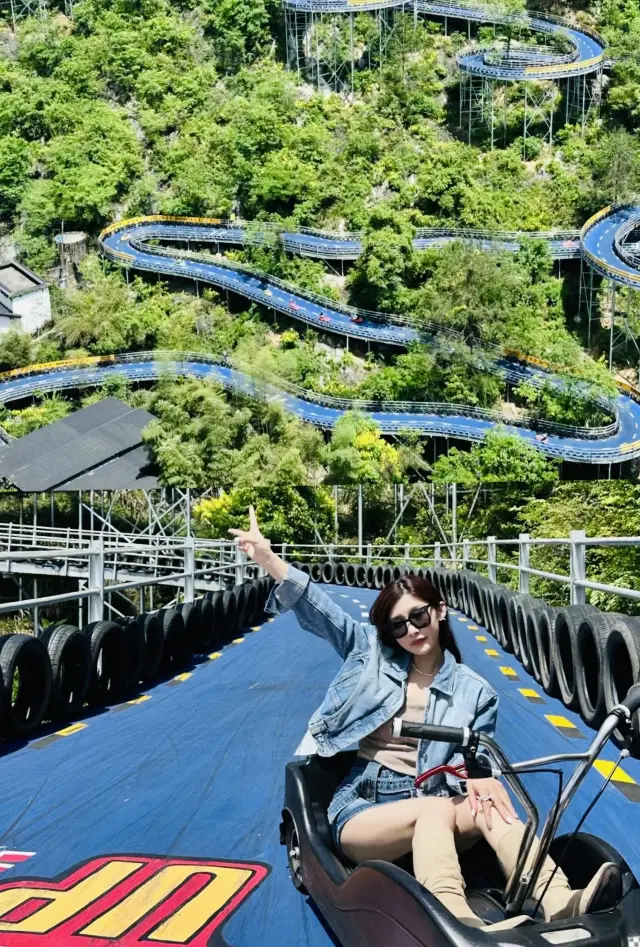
x=34, y=309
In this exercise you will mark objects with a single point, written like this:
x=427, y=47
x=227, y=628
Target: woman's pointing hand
x=251, y=541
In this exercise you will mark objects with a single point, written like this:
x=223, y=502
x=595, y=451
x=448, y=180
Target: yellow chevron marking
x=605, y=767
x=481, y=638
x=183, y=677
x=491, y=652
x=74, y=728
x=140, y=700
x=237, y=640
x=559, y=721
x=214, y=655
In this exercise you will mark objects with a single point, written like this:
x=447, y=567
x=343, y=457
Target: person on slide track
x=406, y=663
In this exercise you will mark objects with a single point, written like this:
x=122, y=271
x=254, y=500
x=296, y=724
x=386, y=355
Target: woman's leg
x=559, y=900
x=426, y=826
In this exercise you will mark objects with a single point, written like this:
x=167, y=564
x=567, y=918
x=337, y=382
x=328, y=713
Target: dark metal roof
x=130, y=471
x=85, y=443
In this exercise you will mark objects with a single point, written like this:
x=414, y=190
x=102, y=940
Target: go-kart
x=380, y=904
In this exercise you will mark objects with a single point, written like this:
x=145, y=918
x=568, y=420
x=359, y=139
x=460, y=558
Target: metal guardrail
x=103, y=559
x=462, y=554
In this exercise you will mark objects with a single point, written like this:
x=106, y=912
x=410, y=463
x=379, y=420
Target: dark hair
x=421, y=589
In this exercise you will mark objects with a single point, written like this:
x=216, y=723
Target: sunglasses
x=419, y=618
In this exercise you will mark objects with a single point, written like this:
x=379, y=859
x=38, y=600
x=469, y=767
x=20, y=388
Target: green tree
x=499, y=458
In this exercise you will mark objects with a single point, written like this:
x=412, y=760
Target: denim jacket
x=370, y=687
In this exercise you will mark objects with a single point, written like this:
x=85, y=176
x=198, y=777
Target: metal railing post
x=492, y=568
x=96, y=582
x=283, y=554
x=466, y=553
x=189, y=569
x=331, y=552
x=577, y=566
x=407, y=555
x=437, y=557
x=369, y=554
x=523, y=563
x=240, y=560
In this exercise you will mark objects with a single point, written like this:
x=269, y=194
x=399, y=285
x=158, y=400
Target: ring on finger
x=485, y=798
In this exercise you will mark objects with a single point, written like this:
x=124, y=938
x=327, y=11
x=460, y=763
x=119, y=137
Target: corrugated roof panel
x=67, y=449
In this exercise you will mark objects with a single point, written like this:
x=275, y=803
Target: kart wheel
x=293, y=858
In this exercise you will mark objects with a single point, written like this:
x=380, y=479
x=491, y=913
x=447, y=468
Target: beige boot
x=560, y=900
x=436, y=866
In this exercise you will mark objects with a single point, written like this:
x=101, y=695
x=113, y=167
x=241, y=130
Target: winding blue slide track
x=606, y=243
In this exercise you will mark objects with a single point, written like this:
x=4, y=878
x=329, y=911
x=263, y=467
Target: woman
x=406, y=664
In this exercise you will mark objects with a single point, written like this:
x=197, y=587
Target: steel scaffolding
x=330, y=48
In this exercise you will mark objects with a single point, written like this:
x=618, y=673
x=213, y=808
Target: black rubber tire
x=387, y=575
x=133, y=653
x=153, y=638
x=593, y=632
x=306, y=568
x=339, y=573
x=565, y=651
x=173, y=634
x=251, y=606
x=360, y=573
x=396, y=573
x=230, y=605
x=371, y=577
x=478, y=611
x=532, y=634
x=241, y=606
x=28, y=657
x=296, y=564
x=622, y=668
x=488, y=610
x=293, y=856
x=213, y=634
x=106, y=640
x=316, y=572
x=524, y=605
x=503, y=601
x=70, y=658
x=546, y=630
x=328, y=573
x=203, y=644
x=379, y=577
x=189, y=640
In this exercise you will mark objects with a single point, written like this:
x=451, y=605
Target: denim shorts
x=370, y=784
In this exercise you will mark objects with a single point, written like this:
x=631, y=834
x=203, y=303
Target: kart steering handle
x=429, y=731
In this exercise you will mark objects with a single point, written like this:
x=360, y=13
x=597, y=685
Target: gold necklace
x=424, y=673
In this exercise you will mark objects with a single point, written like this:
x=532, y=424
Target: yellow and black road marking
x=481, y=638
x=510, y=673
x=532, y=696
x=58, y=735
x=565, y=726
x=131, y=703
x=491, y=652
x=179, y=678
x=621, y=780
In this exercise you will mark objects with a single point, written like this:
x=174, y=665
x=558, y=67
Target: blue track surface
x=195, y=771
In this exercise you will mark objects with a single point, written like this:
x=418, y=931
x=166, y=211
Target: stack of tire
x=347, y=573
x=585, y=657
x=54, y=675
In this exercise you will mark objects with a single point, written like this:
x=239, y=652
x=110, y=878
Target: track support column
x=577, y=566
x=96, y=583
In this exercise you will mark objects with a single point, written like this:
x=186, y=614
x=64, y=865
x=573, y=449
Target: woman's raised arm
x=315, y=610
